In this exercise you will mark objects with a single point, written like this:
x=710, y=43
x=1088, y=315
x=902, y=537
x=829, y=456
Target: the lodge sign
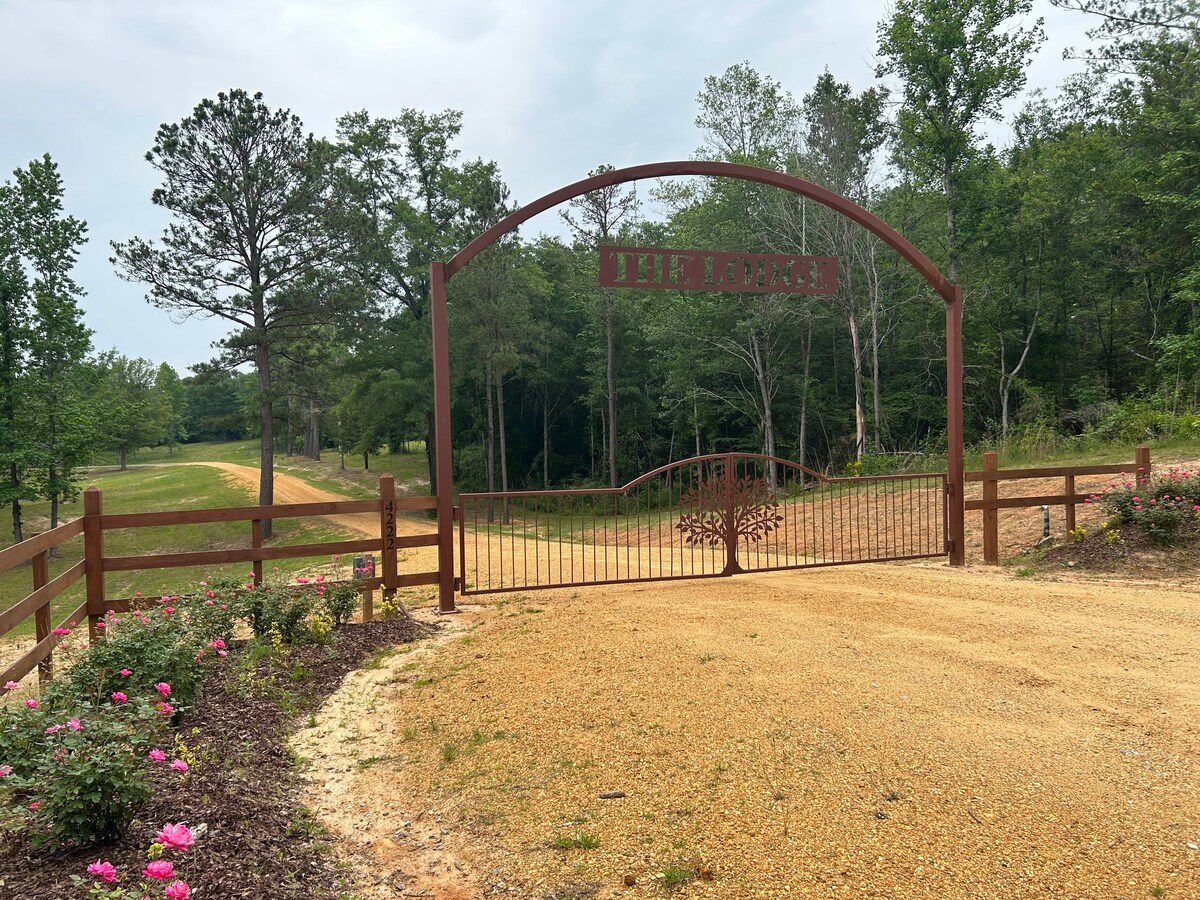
x=648, y=268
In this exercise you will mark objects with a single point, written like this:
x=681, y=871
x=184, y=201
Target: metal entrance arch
x=441, y=272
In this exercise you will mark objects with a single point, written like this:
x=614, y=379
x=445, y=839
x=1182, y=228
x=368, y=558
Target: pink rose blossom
x=160, y=870
x=5, y=771
x=103, y=870
x=14, y=685
x=222, y=653
x=125, y=673
x=210, y=593
x=301, y=581
x=165, y=709
x=54, y=729
x=61, y=630
x=175, y=837
x=137, y=593
x=179, y=766
x=164, y=689
x=176, y=890
x=33, y=807
x=118, y=697
x=158, y=755
x=31, y=703
x=74, y=724
x=216, y=644
x=208, y=603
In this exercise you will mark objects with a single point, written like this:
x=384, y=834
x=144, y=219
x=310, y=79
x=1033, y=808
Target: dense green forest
x=1075, y=244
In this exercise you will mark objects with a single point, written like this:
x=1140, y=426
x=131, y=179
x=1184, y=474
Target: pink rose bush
x=1165, y=505
x=77, y=761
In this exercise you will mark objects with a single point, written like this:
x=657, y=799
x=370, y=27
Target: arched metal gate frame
x=441, y=272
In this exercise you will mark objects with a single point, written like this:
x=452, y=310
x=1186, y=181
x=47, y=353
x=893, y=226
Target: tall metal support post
x=956, y=512
x=441, y=431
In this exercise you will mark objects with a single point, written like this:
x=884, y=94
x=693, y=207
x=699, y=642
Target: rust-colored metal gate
x=705, y=517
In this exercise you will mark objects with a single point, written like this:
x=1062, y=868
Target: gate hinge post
x=949, y=488
x=457, y=583
x=454, y=514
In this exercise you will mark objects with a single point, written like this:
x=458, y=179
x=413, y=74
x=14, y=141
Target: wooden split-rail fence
x=94, y=523
x=992, y=502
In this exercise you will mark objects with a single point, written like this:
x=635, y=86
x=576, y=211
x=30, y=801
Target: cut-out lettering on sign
x=710, y=270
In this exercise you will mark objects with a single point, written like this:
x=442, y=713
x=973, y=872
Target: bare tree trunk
x=804, y=395
x=762, y=375
x=491, y=445
x=290, y=440
x=341, y=447
x=312, y=430
x=696, y=419
x=603, y=435
x=612, y=390
x=860, y=420
x=1007, y=378
x=546, y=440
x=121, y=455
x=876, y=392
x=504, y=510
x=951, y=225
x=266, y=422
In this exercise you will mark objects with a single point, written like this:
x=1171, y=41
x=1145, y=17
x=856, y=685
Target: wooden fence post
x=93, y=558
x=368, y=605
x=991, y=517
x=387, y=529
x=1069, y=490
x=41, y=576
x=1141, y=458
x=256, y=541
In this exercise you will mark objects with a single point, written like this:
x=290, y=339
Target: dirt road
x=290, y=489
x=878, y=731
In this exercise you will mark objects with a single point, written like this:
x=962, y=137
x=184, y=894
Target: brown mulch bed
x=1133, y=553
x=260, y=841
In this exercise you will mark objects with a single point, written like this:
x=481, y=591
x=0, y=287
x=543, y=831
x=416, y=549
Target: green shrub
x=280, y=607
x=77, y=776
x=341, y=600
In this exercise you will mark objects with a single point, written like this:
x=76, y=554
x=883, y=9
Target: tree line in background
x=1075, y=246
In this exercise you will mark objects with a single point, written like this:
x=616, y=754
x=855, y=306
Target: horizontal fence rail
x=95, y=563
x=992, y=502
x=36, y=552
x=698, y=518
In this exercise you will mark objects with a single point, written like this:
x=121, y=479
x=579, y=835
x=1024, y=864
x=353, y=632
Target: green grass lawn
x=153, y=489
x=408, y=467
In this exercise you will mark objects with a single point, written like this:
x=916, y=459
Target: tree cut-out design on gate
x=755, y=511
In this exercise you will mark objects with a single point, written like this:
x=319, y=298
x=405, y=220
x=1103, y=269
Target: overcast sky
x=549, y=89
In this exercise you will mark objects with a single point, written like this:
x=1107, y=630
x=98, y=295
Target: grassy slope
x=151, y=489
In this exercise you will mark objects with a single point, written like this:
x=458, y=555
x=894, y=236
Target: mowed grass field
x=409, y=467
x=154, y=488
